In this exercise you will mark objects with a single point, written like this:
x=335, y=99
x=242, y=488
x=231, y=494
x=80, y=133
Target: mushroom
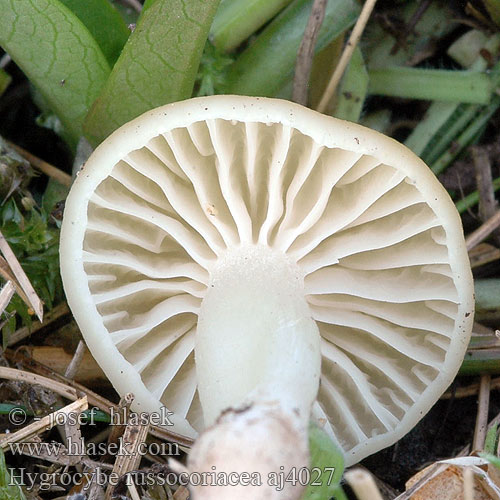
x=248, y=263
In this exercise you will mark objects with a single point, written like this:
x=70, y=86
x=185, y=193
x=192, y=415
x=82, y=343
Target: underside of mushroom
x=241, y=251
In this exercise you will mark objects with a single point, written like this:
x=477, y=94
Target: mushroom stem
x=258, y=356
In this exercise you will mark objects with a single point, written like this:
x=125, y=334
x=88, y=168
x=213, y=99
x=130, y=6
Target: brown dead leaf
x=447, y=485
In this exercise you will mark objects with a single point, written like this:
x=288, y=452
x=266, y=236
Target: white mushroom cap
x=376, y=238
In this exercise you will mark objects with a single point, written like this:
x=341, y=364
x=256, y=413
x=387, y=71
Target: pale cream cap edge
x=323, y=129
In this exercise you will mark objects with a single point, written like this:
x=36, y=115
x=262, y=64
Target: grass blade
x=58, y=55
x=237, y=20
x=353, y=89
x=158, y=64
x=264, y=68
x=326, y=467
x=105, y=24
x=432, y=84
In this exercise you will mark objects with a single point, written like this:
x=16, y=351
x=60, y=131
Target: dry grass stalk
x=7, y=274
x=51, y=316
x=50, y=453
x=306, y=52
x=76, y=360
x=123, y=409
x=363, y=484
x=347, y=54
x=470, y=390
x=133, y=437
x=482, y=254
x=48, y=169
x=133, y=491
x=31, y=378
x=6, y=293
x=482, y=413
x=44, y=424
x=93, y=398
x=468, y=478
x=483, y=231
x=484, y=181
x=33, y=299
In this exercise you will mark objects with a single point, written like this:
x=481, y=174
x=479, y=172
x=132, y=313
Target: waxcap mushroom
x=362, y=255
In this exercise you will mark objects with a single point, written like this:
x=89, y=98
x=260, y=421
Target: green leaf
x=158, y=64
x=58, y=54
x=432, y=84
x=237, y=20
x=492, y=459
x=490, y=442
x=105, y=24
x=326, y=468
x=211, y=72
x=9, y=489
x=267, y=64
x=54, y=192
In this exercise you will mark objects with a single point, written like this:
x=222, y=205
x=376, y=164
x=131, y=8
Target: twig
x=363, y=484
x=470, y=390
x=306, y=52
x=53, y=315
x=123, y=409
x=6, y=294
x=44, y=424
x=346, y=55
x=484, y=181
x=483, y=231
x=93, y=398
x=75, y=361
x=7, y=274
x=49, y=452
x=48, y=169
x=133, y=437
x=34, y=300
x=133, y=490
x=32, y=378
x=417, y=15
x=482, y=254
x=482, y=413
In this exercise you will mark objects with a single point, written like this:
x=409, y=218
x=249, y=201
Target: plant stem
x=264, y=67
x=473, y=198
x=445, y=120
x=480, y=362
x=460, y=118
x=431, y=84
x=236, y=20
x=466, y=137
x=434, y=120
